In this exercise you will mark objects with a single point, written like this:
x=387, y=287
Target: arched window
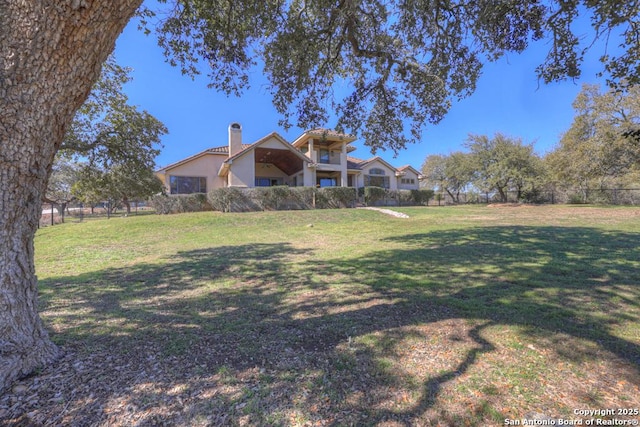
x=376, y=178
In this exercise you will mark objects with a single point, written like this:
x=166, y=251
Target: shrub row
x=196, y=202
x=379, y=196
x=232, y=199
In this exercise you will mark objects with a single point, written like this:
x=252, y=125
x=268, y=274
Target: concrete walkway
x=386, y=211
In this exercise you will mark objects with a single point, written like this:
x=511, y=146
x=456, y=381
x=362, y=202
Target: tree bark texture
x=51, y=52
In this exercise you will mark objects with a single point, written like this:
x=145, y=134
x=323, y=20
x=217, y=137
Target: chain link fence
x=59, y=213
x=603, y=196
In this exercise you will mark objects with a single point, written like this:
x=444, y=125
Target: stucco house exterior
x=318, y=158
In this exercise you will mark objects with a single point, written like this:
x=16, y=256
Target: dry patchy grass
x=456, y=316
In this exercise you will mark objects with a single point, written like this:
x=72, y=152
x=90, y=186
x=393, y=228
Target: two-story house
x=319, y=157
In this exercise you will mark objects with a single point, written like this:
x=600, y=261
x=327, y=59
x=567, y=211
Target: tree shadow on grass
x=262, y=333
x=580, y=281
x=552, y=282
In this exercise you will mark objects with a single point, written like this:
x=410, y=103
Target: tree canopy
x=110, y=147
x=601, y=146
x=452, y=173
x=387, y=68
x=64, y=175
x=108, y=131
x=120, y=184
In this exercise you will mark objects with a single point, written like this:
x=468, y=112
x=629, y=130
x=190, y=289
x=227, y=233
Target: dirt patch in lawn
x=464, y=324
x=374, y=360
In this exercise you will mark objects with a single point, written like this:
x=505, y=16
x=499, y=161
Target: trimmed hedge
x=234, y=199
x=231, y=199
x=381, y=196
x=304, y=197
x=272, y=198
x=372, y=195
x=181, y=203
x=339, y=197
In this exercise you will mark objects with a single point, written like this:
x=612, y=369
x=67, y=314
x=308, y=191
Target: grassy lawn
x=456, y=316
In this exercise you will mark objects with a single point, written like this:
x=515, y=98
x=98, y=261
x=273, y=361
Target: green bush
x=196, y=202
x=322, y=202
x=303, y=197
x=339, y=197
x=180, y=203
x=372, y=195
x=404, y=198
x=576, y=199
x=410, y=197
x=532, y=195
x=421, y=197
x=473, y=197
x=162, y=204
x=271, y=198
x=231, y=199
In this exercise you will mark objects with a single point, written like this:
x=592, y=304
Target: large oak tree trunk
x=51, y=52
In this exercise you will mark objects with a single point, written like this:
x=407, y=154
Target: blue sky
x=508, y=99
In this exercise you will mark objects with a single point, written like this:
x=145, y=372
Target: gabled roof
x=256, y=146
x=323, y=133
x=354, y=163
x=381, y=160
x=276, y=135
x=225, y=149
x=409, y=168
x=329, y=132
x=222, y=150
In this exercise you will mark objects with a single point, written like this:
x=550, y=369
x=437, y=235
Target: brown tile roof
x=409, y=167
x=214, y=150
x=354, y=162
x=328, y=132
x=225, y=149
x=362, y=163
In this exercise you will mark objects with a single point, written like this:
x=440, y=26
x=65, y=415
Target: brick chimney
x=235, y=139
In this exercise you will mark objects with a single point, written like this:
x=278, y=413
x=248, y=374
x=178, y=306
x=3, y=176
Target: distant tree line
x=600, y=151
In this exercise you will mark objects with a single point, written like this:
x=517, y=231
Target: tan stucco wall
x=242, y=171
x=391, y=173
x=408, y=175
x=272, y=143
x=206, y=165
x=309, y=177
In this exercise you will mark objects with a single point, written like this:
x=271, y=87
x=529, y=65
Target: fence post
x=52, y=223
